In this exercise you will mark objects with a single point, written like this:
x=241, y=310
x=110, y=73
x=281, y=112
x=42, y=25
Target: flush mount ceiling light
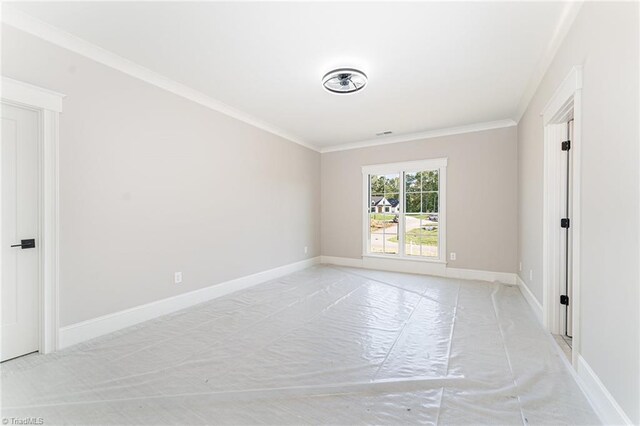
x=344, y=80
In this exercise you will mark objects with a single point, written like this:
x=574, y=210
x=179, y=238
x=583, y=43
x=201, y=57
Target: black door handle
x=26, y=244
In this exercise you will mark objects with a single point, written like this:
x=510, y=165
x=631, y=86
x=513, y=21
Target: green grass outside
x=382, y=216
x=420, y=237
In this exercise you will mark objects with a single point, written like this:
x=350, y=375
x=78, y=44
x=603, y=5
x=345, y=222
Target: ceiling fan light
x=344, y=81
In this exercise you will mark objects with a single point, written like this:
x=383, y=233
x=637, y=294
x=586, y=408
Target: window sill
x=409, y=258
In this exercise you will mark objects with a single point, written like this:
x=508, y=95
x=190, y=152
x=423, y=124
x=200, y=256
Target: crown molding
x=54, y=35
x=569, y=14
x=477, y=127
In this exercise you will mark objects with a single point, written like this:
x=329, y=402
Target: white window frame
x=439, y=164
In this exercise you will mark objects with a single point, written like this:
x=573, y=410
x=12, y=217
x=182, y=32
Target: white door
x=20, y=288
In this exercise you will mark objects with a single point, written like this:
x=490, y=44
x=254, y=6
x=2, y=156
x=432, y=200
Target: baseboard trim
x=475, y=274
x=604, y=404
x=341, y=261
x=89, y=329
x=437, y=269
x=530, y=298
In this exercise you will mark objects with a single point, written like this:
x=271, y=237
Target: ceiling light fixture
x=344, y=80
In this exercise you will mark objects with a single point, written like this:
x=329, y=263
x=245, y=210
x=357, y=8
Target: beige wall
x=604, y=39
x=151, y=183
x=481, y=196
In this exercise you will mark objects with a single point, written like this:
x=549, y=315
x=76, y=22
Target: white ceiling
x=430, y=65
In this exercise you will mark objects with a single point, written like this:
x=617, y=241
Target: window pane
x=377, y=203
x=429, y=241
x=430, y=180
x=377, y=223
x=384, y=207
x=392, y=204
x=430, y=202
x=391, y=243
x=412, y=182
x=430, y=219
x=391, y=224
x=411, y=227
x=383, y=229
x=392, y=183
x=421, y=237
x=377, y=243
x=377, y=185
x=413, y=203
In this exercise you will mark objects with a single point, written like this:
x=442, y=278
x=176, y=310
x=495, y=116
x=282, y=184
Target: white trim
x=563, y=95
x=481, y=275
x=48, y=105
x=365, y=222
x=82, y=47
x=562, y=29
x=399, y=257
x=341, y=261
x=576, y=220
x=439, y=269
x=28, y=94
x=530, y=298
x=85, y=330
x=50, y=232
x=591, y=387
x=395, y=264
x=442, y=213
x=566, y=99
x=436, y=133
x=602, y=401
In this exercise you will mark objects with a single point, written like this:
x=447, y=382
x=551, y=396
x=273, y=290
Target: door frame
x=564, y=104
x=48, y=105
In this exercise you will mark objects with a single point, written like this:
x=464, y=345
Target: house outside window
x=404, y=212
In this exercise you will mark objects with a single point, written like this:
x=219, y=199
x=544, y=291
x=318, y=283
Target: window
x=404, y=211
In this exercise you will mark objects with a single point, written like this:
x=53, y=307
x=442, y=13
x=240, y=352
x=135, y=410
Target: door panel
x=19, y=290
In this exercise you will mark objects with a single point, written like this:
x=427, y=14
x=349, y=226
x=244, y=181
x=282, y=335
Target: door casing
x=48, y=105
x=566, y=103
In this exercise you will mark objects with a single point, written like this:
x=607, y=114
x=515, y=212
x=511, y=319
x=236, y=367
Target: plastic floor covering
x=326, y=345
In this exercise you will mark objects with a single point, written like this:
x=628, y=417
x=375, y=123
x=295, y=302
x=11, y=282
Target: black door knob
x=26, y=244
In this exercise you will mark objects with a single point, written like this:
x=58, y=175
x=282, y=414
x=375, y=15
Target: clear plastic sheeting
x=324, y=345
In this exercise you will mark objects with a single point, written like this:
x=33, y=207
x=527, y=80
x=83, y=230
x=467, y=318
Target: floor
x=324, y=345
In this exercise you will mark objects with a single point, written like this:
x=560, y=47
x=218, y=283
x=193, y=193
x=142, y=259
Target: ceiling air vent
x=385, y=133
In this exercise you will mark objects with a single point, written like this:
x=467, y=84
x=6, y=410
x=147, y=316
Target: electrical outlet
x=520, y=267
x=177, y=277
x=306, y=249
x=531, y=274
x=452, y=256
